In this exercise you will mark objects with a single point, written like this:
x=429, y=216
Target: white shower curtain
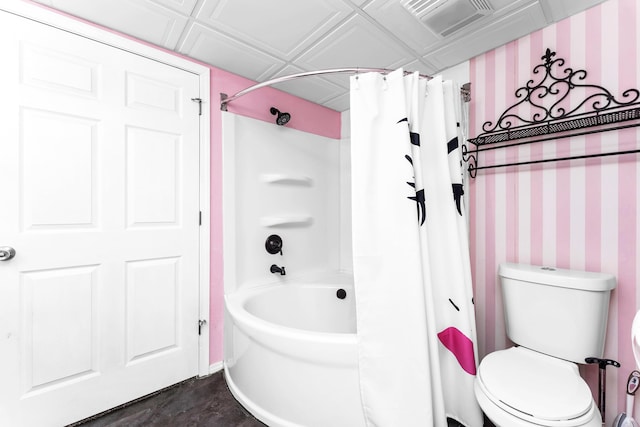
x=415, y=316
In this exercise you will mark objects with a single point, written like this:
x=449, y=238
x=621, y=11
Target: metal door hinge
x=199, y=101
x=201, y=323
x=200, y=218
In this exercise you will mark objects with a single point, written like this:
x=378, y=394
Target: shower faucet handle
x=273, y=245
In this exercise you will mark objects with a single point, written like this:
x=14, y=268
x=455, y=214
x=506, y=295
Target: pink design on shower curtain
x=461, y=347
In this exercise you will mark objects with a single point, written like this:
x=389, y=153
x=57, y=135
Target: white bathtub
x=290, y=353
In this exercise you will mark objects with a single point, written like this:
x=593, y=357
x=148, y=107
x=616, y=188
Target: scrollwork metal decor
x=553, y=114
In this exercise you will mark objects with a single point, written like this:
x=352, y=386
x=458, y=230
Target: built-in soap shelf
x=286, y=179
x=286, y=221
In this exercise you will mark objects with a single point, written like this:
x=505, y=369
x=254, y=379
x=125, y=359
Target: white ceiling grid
x=264, y=39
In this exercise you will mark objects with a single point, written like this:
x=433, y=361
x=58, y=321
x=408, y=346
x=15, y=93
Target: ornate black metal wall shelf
x=599, y=111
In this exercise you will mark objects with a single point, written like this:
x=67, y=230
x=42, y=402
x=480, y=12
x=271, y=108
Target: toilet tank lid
x=574, y=279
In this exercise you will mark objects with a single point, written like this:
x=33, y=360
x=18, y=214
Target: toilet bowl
x=519, y=387
x=556, y=318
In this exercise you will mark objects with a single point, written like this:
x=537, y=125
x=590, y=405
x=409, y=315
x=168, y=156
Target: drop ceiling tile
x=501, y=4
x=340, y=103
x=160, y=25
x=504, y=29
x=398, y=20
x=420, y=67
x=282, y=28
x=185, y=7
x=316, y=89
x=356, y=43
x=258, y=38
x=224, y=52
x=357, y=2
x=557, y=10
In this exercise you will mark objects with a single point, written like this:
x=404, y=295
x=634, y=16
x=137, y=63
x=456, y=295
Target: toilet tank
x=562, y=313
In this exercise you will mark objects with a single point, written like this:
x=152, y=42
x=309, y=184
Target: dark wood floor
x=205, y=402
x=193, y=403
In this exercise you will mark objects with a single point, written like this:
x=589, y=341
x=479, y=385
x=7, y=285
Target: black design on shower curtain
x=458, y=192
x=452, y=145
x=414, y=138
x=419, y=198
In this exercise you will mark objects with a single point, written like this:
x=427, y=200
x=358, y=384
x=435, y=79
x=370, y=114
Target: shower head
x=281, y=118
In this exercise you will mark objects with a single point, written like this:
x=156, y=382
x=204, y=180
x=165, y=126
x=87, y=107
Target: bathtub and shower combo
x=290, y=353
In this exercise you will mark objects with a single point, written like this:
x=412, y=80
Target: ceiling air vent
x=445, y=17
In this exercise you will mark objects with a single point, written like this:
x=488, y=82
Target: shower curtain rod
x=224, y=99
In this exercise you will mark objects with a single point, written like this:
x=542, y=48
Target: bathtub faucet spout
x=275, y=269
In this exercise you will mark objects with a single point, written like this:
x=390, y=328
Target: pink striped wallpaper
x=581, y=214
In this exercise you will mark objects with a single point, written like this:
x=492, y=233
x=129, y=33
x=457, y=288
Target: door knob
x=6, y=253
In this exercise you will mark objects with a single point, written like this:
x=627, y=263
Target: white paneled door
x=99, y=197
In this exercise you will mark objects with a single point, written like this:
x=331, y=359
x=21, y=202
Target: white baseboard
x=215, y=367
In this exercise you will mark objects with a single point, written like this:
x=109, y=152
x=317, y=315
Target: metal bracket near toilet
x=602, y=380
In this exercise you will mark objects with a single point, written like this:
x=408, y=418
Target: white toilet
x=557, y=318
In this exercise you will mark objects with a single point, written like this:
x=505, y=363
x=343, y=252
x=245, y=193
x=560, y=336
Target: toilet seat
x=535, y=388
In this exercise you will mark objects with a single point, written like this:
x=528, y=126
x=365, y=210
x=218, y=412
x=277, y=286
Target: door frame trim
x=56, y=19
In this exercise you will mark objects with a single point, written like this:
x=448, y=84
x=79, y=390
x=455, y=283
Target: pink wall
x=580, y=214
x=305, y=116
